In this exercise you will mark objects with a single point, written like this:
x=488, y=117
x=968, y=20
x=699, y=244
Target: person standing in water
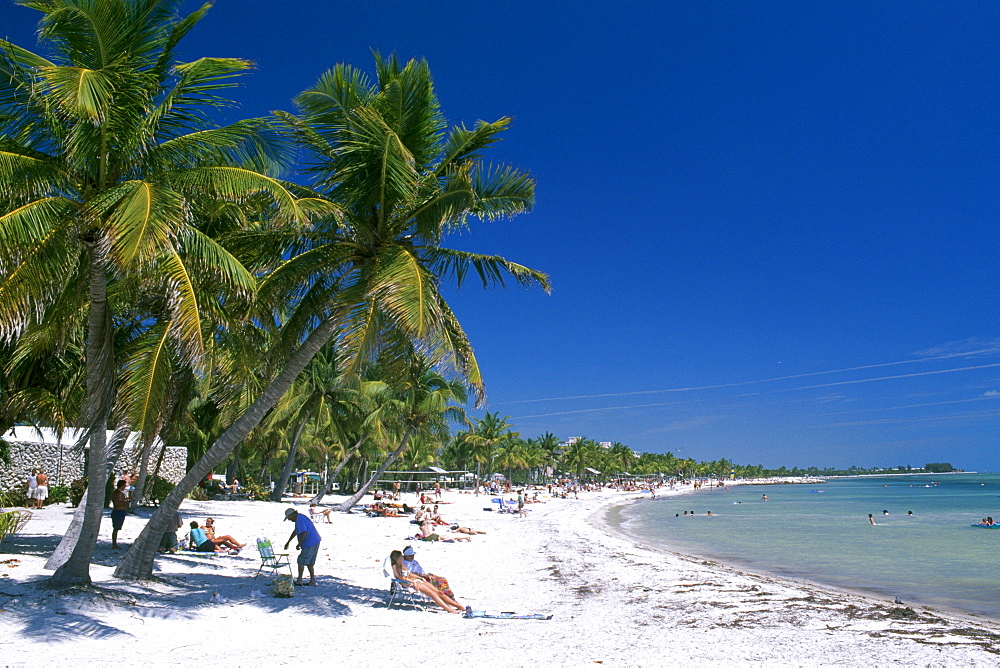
x=871, y=519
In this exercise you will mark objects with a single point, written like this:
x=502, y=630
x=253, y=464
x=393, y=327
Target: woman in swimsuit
x=227, y=542
x=447, y=603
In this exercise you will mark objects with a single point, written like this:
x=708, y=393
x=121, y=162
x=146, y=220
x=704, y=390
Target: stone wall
x=63, y=463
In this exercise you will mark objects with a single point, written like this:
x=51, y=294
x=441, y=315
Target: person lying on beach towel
x=381, y=510
x=433, y=537
x=400, y=572
x=457, y=529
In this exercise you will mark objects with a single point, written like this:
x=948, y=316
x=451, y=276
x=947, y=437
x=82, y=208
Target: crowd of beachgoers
x=546, y=582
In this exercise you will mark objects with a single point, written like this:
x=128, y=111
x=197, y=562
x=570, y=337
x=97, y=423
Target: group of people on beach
x=38, y=489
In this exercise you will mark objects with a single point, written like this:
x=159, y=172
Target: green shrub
x=58, y=494
x=254, y=489
x=161, y=487
x=15, y=497
x=198, y=494
x=76, y=490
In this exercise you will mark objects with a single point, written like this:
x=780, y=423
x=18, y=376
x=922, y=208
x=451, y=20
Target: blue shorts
x=117, y=519
x=307, y=555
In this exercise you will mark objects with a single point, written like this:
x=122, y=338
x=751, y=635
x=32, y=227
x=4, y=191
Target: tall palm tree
x=107, y=159
x=551, y=449
x=370, y=276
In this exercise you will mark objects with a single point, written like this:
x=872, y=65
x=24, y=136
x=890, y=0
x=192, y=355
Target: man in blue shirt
x=308, y=544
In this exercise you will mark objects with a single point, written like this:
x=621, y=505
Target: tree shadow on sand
x=59, y=614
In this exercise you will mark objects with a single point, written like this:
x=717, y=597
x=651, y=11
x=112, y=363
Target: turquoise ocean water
x=821, y=533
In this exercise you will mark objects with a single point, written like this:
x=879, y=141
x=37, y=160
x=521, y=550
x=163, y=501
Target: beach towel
x=491, y=614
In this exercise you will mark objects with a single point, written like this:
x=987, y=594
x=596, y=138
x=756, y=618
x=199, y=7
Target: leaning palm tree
x=369, y=278
x=107, y=158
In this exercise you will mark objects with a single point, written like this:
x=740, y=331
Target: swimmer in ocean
x=885, y=512
x=871, y=519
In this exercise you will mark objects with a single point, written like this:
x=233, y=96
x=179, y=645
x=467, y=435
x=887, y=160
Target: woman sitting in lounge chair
x=316, y=512
x=399, y=571
x=227, y=542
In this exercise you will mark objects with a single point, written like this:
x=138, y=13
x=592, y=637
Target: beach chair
x=399, y=590
x=268, y=559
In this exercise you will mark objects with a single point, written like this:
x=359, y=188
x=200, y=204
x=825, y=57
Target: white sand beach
x=612, y=602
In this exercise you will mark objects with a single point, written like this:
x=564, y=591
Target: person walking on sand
x=119, y=505
x=520, y=502
x=308, y=544
x=41, y=488
x=32, y=484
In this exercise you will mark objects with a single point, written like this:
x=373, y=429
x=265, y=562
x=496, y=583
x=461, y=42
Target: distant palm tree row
x=492, y=446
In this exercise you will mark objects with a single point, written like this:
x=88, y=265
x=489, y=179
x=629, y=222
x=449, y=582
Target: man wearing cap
x=308, y=545
x=411, y=564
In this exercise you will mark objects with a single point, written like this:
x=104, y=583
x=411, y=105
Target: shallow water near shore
x=821, y=533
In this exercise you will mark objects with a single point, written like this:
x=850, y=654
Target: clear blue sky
x=772, y=227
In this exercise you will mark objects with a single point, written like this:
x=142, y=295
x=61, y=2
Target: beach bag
x=284, y=587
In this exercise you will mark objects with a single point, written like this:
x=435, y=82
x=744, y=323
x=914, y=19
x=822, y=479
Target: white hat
x=408, y=551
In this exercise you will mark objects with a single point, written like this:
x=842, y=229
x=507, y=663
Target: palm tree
x=621, y=457
x=107, y=160
x=370, y=276
x=488, y=433
x=425, y=405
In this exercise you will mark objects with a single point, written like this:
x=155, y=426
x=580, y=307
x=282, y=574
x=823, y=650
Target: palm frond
x=463, y=145
x=491, y=269
x=502, y=192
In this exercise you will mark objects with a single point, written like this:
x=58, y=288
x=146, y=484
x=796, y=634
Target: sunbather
x=411, y=564
x=227, y=542
x=315, y=512
x=427, y=533
x=436, y=517
x=200, y=542
x=457, y=529
x=400, y=572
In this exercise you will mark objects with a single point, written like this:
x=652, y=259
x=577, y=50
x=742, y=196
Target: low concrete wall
x=63, y=463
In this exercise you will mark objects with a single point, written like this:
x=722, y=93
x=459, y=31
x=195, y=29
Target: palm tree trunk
x=138, y=561
x=140, y=485
x=351, y=502
x=286, y=470
x=340, y=467
x=76, y=568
